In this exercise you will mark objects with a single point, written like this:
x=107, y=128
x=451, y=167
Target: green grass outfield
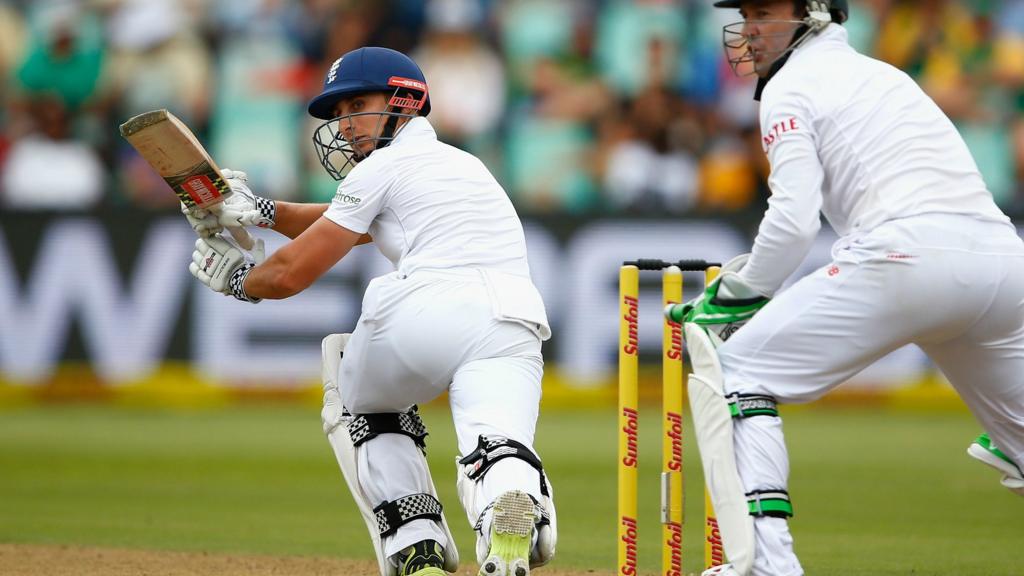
x=875, y=492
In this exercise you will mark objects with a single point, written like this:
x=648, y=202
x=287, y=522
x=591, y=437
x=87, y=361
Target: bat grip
x=242, y=236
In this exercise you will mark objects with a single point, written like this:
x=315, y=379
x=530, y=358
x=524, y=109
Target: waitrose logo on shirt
x=346, y=199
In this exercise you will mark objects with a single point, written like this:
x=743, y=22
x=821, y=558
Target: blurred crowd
x=580, y=107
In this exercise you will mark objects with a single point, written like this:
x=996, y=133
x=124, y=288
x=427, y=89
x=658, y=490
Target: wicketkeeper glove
x=241, y=208
x=224, y=266
x=724, y=307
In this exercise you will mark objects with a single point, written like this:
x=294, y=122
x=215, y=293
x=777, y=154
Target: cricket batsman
x=459, y=314
x=924, y=256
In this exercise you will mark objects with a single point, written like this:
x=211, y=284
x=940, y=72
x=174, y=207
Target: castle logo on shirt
x=777, y=130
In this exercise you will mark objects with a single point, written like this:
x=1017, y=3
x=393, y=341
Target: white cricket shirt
x=859, y=141
x=431, y=205
x=431, y=208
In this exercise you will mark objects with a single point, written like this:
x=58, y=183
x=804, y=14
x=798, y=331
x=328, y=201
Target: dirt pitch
x=35, y=560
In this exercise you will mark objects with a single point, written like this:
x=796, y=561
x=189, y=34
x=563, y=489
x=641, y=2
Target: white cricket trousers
x=953, y=285
x=423, y=334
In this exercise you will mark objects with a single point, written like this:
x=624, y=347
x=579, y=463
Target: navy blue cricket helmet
x=362, y=71
x=371, y=69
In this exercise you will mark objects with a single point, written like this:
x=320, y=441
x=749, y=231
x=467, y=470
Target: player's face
x=364, y=120
x=768, y=28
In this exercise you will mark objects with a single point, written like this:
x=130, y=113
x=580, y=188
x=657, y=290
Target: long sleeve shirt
x=858, y=141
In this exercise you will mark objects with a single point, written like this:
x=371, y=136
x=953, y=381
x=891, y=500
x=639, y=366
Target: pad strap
x=773, y=503
x=490, y=449
x=365, y=427
x=747, y=405
x=391, y=515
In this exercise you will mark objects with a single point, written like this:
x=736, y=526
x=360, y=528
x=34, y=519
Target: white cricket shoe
x=512, y=527
x=723, y=570
x=983, y=450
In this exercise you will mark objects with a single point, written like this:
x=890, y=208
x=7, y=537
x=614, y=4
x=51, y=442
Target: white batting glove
x=224, y=266
x=241, y=208
x=204, y=223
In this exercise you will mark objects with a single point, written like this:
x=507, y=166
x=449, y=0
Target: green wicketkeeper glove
x=725, y=305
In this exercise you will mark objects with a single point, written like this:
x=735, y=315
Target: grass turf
x=875, y=493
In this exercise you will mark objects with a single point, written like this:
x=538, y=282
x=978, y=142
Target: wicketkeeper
x=459, y=314
x=924, y=256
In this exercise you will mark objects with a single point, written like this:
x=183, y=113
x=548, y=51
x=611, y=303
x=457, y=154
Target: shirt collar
x=832, y=34
x=418, y=128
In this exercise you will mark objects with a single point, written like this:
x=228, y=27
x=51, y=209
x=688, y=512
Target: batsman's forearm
x=296, y=265
x=273, y=280
x=292, y=218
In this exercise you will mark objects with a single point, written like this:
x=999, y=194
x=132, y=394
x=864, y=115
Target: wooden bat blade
x=167, y=144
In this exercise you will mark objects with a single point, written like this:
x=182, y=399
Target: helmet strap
x=387, y=133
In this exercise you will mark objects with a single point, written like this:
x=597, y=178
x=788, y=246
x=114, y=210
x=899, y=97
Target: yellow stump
x=713, y=553
x=672, y=428
x=629, y=340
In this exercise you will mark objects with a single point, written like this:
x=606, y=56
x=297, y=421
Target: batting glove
x=241, y=208
x=725, y=305
x=223, y=266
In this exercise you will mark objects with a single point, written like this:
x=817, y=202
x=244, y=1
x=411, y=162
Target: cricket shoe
x=723, y=570
x=425, y=558
x=985, y=451
x=515, y=515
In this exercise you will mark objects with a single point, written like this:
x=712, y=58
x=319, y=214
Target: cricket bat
x=167, y=144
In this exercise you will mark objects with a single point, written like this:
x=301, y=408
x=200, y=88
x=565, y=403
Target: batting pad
x=713, y=424
x=336, y=426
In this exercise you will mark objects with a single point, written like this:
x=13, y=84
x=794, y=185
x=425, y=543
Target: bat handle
x=242, y=236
